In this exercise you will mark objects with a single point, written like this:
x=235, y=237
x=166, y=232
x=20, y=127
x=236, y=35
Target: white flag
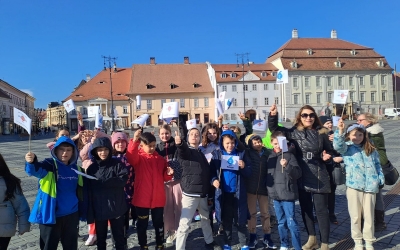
x=191, y=124
x=170, y=110
x=98, y=121
x=340, y=96
x=221, y=96
x=69, y=105
x=93, y=110
x=138, y=101
x=282, y=77
x=228, y=103
x=260, y=125
x=23, y=120
x=282, y=143
x=141, y=120
x=219, y=107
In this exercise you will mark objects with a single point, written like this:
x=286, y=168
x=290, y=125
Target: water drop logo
x=230, y=161
x=280, y=75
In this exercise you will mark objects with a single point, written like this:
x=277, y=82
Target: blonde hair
x=370, y=118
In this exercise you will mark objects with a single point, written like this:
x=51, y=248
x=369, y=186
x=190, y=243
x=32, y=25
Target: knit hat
x=251, y=137
x=119, y=136
x=325, y=119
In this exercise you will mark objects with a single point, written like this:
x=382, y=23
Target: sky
x=47, y=47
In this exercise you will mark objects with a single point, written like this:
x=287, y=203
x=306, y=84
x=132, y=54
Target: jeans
x=320, y=201
x=285, y=214
x=143, y=221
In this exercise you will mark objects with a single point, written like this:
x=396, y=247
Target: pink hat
x=118, y=136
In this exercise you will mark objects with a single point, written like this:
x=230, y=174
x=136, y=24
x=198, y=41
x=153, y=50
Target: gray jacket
x=12, y=210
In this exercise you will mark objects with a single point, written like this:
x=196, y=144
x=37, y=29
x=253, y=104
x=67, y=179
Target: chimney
x=152, y=61
x=186, y=60
x=88, y=77
x=295, y=34
x=333, y=34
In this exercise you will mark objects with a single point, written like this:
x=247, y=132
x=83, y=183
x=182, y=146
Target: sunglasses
x=305, y=115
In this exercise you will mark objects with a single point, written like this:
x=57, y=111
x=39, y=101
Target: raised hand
x=178, y=139
x=241, y=164
x=283, y=162
x=340, y=125
x=220, y=118
x=241, y=116
x=325, y=156
x=216, y=184
x=79, y=116
x=137, y=134
x=273, y=110
x=29, y=157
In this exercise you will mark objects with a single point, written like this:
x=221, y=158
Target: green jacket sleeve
x=379, y=143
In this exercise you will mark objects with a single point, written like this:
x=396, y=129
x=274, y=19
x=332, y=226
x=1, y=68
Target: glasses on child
x=305, y=115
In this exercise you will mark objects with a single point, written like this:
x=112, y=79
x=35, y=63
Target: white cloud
x=28, y=91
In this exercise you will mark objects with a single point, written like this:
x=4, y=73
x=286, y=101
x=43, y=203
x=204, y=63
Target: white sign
x=69, y=105
x=260, y=125
x=335, y=120
x=93, y=110
x=282, y=143
x=23, y=120
x=170, y=110
x=340, y=96
x=228, y=103
x=141, y=120
x=221, y=96
x=282, y=77
x=230, y=162
x=191, y=124
x=208, y=157
x=84, y=175
x=138, y=101
x=98, y=121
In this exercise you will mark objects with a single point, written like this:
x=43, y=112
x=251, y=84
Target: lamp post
x=243, y=57
x=111, y=60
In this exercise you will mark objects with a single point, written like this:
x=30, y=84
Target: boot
x=324, y=246
x=358, y=245
x=380, y=220
x=311, y=243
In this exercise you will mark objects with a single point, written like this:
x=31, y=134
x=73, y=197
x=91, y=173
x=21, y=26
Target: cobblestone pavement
x=13, y=149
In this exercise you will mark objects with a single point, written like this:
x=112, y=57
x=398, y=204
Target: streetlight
x=111, y=60
x=243, y=57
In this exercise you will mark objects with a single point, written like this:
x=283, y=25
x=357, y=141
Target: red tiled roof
x=99, y=86
x=256, y=69
x=160, y=76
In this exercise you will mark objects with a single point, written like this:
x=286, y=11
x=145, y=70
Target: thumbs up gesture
x=340, y=126
x=178, y=139
x=273, y=110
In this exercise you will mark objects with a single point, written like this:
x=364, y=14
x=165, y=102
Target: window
x=373, y=96
x=172, y=100
x=224, y=88
x=254, y=87
x=277, y=100
x=273, y=73
x=263, y=74
x=73, y=112
x=318, y=81
x=149, y=104
x=295, y=85
x=233, y=88
x=371, y=80
x=226, y=117
x=351, y=81
x=182, y=103
x=245, y=87
x=233, y=75
x=352, y=95
x=307, y=98
x=265, y=86
x=233, y=116
x=340, y=81
x=276, y=86
x=196, y=102
x=329, y=96
x=246, y=102
x=318, y=97
x=329, y=81
x=85, y=111
x=307, y=82
x=223, y=75
x=234, y=102
x=125, y=109
x=296, y=99
x=383, y=95
x=383, y=80
x=162, y=102
x=206, y=103
x=266, y=101
x=361, y=81
x=362, y=96
x=254, y=101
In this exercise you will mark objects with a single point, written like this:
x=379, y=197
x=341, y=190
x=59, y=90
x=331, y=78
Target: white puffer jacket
x=12, y=210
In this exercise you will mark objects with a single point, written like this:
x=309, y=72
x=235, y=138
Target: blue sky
x=48, y=47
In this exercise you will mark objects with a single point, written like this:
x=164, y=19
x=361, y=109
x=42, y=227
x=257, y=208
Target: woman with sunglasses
x=313, y=149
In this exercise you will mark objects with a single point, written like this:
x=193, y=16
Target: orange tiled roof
x=160, y=76
x=256, y=69
x=99, y=86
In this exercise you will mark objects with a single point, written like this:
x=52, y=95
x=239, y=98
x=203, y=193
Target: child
x=364, y=177
x=257, y=191
x=230, y=193
x=56, y=205
x=107, y=196
x=151, y=171
x=195, y=185
x=283, y=172
x=63, y=131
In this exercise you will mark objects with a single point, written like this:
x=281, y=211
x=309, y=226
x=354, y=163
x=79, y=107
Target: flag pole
x=29, y=142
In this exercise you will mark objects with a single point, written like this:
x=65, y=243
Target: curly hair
x=370, y=118
x=205, y=141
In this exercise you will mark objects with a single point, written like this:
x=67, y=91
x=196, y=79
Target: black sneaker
x=144, y=248
x=220, y=230
x=213, y=246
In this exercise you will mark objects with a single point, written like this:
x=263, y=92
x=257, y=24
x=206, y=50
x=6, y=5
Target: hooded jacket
x=58, y=185
x=150, y=174
x=310, y=144
x=375, y=133
x=106, y=194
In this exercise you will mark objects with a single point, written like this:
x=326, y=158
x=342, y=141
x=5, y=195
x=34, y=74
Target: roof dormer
x=337, y=63
x=149, y=86
x=293, y=64
x=353, y=52
x=380, y=63
x=309, y=52
x=233, y=75
x=173, y=85
x=223, y=75
x=264, y=74
x=196, y=85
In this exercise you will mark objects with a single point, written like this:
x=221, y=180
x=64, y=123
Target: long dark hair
x=299, y=124
x=205, y=141
x=12, y=182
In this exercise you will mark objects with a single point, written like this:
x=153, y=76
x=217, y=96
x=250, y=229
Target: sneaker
x=333, y=219
x=160, y=247
x=144, y=248
x=171, y=237
x=220, y=230
x=268, y=242
x=253, y=241
x=92, y=239
x=213, y=246
x=227, y=247
x=283, y=248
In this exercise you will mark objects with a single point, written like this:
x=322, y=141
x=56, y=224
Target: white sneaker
x=92, y=239
x=283, y=248
x=171, y=238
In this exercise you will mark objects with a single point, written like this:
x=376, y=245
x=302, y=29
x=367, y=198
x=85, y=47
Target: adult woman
x=312, y=149
x=13, y=206
x=375, y=133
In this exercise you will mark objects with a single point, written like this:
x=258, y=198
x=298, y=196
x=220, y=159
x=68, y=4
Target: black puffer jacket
x=309, y=143
x=106, y=194
x=256, y=183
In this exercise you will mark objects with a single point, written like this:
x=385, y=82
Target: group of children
x=193, y=171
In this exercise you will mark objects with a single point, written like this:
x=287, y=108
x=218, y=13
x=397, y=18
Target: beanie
x=118, y=136
x=325, y=119
x=251, y=137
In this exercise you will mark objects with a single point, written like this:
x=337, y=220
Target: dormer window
x=353, y=52
x=172, y=85
x=293, y=64
x=380, y=63
x=233, y=75
x=309, y=52
x=223, y=75
x=264, y=74
x=274, y=74
x=338, y=64
x=196, y=85
x=148, y=86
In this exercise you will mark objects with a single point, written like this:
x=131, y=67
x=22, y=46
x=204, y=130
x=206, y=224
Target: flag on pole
x=98, y=121
x=221, y=96
x=228, y=103
x=219, y=107
x=260, y=125
x=138, y=101
x=69, y=105
x=161, y=117
x=282, y=77
x=23, y=120
x=141, y=120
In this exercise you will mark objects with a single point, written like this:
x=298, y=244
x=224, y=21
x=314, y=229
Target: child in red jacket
x=150, y=173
